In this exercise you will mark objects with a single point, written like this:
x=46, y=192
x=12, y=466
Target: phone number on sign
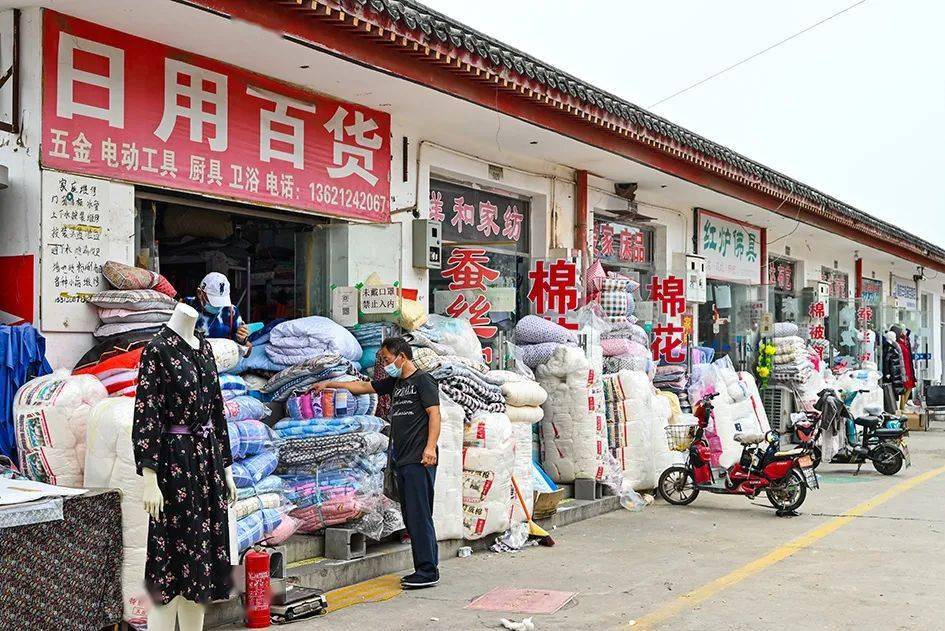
x=346, y=198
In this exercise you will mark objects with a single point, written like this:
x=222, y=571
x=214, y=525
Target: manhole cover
x=535, y=601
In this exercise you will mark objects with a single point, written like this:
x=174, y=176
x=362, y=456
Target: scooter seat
x=889, y=433
x=749, y=439
x=868, y=422
x=790, y=453
x=873, y=409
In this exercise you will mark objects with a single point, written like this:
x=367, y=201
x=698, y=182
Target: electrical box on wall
x=427, y=242
x=822, y=291
x=692, y=267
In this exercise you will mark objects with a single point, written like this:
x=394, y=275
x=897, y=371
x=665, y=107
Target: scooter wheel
x=678, y=486
x=887, y=460
x=789, y=493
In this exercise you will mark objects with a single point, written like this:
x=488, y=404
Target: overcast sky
x=855, y=107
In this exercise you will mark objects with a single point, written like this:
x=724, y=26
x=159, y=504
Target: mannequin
x=908, y=367
x=155, y=424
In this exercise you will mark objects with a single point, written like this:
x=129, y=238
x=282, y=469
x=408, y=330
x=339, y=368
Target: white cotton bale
x=50, y=415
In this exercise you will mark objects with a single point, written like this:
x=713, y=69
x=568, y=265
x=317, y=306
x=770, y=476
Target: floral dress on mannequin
x=180, y=432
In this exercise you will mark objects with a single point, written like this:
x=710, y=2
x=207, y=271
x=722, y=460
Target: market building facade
x=314, y=171
x=302, y=148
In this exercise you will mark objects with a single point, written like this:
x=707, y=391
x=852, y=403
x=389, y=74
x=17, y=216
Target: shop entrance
x=275, y=264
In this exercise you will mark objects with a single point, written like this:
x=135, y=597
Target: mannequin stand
x=188, y=614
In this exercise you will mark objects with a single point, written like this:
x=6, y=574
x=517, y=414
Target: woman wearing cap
x=218, y=317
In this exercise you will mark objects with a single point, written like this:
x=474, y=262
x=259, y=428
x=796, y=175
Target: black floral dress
x=188, y=547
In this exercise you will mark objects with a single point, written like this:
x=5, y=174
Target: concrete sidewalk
x=626, y=566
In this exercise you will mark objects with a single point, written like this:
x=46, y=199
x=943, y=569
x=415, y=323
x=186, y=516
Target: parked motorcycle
x=784, y=476
x=879, y=439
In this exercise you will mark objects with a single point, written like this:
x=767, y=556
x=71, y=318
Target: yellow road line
x=373, y=591
x=693, y=598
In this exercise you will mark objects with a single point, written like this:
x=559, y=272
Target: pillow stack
x=141, y=300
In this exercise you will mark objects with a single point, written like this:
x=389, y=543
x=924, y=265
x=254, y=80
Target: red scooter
x=784, y=476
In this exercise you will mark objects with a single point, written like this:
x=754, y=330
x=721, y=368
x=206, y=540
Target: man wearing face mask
x=218, y=316
x=415, y=428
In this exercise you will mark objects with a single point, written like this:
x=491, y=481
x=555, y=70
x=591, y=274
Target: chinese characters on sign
x=781, y=275
x=732, y=249
x=379, y=299
x=817, y=331
x=85, y=223
x=619, y=243
x=668, y=339
x=838, y=282
x=467, y=270
x=201, y=125
x=905, y=293
x=474, y=216
x=553, y=290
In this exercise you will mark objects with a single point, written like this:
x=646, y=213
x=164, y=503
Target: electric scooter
x=879, y=439
x=784, y=476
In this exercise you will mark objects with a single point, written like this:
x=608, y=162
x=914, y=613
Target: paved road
x=866, y=552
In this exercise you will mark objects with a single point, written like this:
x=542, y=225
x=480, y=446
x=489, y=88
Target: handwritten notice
x=86, y=222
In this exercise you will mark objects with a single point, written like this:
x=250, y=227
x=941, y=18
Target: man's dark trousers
x=415, y=485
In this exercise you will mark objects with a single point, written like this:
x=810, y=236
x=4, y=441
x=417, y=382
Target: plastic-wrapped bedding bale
x=638, y=418
x=573, y=431
x=488, y=462
x=447, y=487
x=522, y=435
x=110, y=464
x=50, y=415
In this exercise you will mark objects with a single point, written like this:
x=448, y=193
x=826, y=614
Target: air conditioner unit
x=779, y=404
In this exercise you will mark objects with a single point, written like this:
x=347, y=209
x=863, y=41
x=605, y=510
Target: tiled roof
x=409, y=15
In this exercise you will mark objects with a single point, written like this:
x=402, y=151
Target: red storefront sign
x=553, y=290
x=126, y=108
x=669, y=339
x=468, y=270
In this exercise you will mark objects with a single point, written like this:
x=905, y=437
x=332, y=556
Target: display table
x=64, y=575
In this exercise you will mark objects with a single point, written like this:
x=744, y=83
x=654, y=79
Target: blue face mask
x=393, y=370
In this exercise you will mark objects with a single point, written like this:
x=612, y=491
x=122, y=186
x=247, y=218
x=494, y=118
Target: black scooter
x=884, y=446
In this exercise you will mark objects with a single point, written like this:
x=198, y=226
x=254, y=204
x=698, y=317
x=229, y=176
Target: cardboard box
x=914, y=422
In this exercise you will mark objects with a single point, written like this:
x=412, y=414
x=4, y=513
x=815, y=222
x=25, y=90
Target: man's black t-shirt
x=409, y=422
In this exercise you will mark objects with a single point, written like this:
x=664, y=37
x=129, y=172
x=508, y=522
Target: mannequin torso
x=183, y=322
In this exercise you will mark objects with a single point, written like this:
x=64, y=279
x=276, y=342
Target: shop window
x=783, y=295
x=484, y=277
x=276, y=268
x=841, y=312
x=727, y=321
x=625, y=249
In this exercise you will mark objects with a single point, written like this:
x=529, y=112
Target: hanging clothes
x=22, y=357
x=908, y=379
x=893, y=367
x=180, y=432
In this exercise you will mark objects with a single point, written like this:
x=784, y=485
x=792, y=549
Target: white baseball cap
x=217, y=288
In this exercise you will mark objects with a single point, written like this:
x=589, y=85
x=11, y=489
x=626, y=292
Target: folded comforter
x=297, y=340
x=311, y=428
x=319, y=450
x=250, y=471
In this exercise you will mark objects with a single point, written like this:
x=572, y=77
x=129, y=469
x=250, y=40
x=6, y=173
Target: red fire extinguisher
x=258, y=595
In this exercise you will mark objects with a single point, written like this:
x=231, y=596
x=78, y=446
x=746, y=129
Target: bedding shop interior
x=569, y=318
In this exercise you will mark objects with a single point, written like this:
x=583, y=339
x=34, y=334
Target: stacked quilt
x=299, y=378
x=141, y=300
x=537, y=339
x=638, y=419
x=369, y=335
x=672, y=378
x=488, y=462
x=524, y=398
x=333, y=470
x=302, y=339
x=469, y=389
x=573, y=430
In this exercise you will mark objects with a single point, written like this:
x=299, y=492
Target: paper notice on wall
x=85, y=222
